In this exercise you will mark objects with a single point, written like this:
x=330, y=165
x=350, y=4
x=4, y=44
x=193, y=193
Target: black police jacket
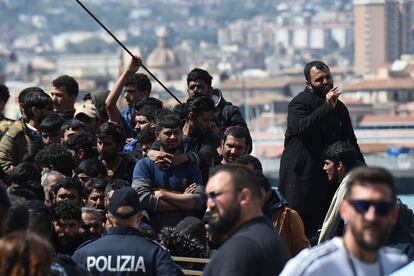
x=124, y=251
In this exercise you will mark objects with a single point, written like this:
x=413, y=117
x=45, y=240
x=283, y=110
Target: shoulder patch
x=15, y=129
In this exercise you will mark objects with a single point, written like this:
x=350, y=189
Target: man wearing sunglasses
x=369, y=210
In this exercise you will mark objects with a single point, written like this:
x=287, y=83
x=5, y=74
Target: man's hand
x=134, y=64
x=331, y=97
x=159, y=193
x=190, y=189
x=179, y=158
x=162, y=159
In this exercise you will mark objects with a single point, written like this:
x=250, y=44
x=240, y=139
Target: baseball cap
x=88, y=109
x=4, y=198
x=125, y=196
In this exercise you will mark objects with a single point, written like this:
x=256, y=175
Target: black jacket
x=228, y=114
x=311, y=127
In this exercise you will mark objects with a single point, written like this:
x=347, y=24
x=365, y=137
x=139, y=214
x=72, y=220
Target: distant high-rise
x=382, y=33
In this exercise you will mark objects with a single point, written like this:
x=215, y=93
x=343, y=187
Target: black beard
x=381, y=238
x=169, y=148
x=224, y=223
x=67, y=244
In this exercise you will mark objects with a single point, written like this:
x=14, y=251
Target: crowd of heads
x=62, y=187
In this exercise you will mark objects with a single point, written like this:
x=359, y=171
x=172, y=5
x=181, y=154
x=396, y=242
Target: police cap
x=123, y=197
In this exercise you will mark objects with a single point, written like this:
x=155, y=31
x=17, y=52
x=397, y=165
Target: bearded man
x=252, y=246
x=316, y=119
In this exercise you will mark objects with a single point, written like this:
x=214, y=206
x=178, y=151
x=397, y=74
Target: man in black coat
x=316, y=119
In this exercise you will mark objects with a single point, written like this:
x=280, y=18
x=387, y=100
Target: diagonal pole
x=126, y=49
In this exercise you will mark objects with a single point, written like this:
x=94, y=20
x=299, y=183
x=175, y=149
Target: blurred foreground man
x=369, y=208
x=252, y=246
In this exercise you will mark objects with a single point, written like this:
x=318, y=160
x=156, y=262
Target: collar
x=123, y=231
x=30, y=127
x=217, y=97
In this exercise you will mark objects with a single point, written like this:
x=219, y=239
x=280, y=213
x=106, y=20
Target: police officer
x=123, y=250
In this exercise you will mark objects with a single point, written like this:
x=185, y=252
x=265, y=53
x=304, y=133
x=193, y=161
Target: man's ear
x=340, y=166
x=157, y=135
x=81, y=154
x=344, y=209
x=245, y=196
x=190, y=116
x=34, y=110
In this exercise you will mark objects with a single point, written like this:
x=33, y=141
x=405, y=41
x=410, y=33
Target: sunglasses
x=382, y=208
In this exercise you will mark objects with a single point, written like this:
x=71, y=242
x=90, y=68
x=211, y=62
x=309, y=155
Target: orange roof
x=380, y=84
x=386, y=119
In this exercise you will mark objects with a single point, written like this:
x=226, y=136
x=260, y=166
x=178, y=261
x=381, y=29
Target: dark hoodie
x=275, y=203
x=228, y=114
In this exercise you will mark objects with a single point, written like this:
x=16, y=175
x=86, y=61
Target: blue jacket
x=149, y=177
x=124, y=251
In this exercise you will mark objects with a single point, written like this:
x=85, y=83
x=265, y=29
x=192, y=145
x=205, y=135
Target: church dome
x=163, y=59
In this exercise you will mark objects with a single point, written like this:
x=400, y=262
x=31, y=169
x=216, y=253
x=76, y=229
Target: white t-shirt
x=330, y=258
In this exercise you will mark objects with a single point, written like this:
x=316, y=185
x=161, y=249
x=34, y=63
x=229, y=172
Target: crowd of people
x=95, y=190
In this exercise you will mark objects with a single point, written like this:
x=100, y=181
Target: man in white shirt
x=369, y=210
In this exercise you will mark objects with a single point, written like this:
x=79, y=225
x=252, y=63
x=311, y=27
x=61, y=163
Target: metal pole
x=126, y=49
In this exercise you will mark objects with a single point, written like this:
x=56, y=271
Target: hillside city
x=255, y=50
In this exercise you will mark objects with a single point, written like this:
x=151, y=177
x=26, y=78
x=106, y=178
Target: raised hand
x=331, y=97
x=134, y=64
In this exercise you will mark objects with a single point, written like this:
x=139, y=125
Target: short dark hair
x=199, y=104
x=30, y=189
x=95, y=183
x=372, y=175
x=66, y=209
x=263, y=182
x=37, y=99
x=167, y=121
x=23, y=172
x=341, y=151
x=18, y=216
x=199, y=74
x=242, y=177
x=69, y=83
x=4, y=93
x=239, y=132
x=73, y=124
x=182, y=111
x=148, y=111
x=113, y=130
x=51, y=123
x=82, y=142
x=92, y=167
x=26, y=91
x=116, y=184
x=140, y=81
x=68, y=183
x=55, y=157
x=40, y=219
x=320, y=65
x=155, y=103
x=147, y=136
x=248, y=159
